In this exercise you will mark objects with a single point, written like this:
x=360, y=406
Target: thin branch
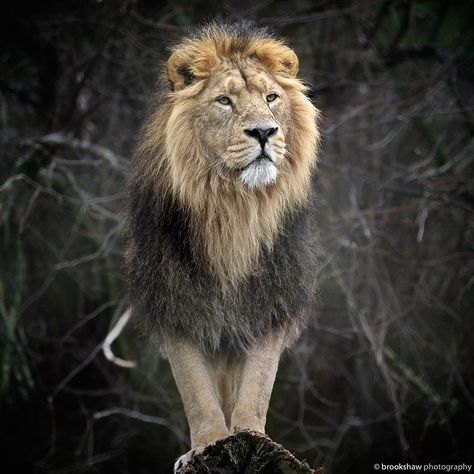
x=156, y=420
x=111, y=336
x=59, y=139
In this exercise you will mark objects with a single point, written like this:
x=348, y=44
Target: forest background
x=384, y=373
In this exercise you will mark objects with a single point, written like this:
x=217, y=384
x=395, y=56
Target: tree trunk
x=247, y=452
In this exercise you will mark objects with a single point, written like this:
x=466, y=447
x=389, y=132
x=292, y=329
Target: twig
x=117, y=162
x=156, y=420
x=111, y=336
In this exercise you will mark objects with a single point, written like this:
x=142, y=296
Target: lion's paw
x=186, y=458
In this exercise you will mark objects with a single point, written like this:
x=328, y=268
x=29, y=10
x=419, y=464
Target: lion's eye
x=224, y=100
x=271, y=97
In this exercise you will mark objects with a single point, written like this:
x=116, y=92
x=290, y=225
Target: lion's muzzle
x=261, y=172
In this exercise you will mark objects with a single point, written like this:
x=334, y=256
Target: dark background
x=385, y=373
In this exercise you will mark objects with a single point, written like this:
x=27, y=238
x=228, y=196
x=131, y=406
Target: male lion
x=220, y=231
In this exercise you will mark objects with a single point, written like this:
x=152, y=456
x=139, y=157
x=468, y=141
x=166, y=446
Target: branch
x=247, y=451
x=111, y=336
x=59, y=139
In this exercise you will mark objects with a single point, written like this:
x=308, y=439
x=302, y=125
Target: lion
x=221, y=234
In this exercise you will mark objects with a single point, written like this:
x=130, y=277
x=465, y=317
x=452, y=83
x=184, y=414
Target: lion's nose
x=261, y=134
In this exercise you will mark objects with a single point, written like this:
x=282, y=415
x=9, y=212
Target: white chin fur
x=259, y=175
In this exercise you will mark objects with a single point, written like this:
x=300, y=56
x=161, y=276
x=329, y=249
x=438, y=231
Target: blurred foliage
x=385, y=372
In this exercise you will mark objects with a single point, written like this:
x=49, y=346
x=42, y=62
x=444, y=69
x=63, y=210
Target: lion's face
x=238, y=115
x=241, y=121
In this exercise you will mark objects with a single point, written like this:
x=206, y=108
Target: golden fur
x=230, y=223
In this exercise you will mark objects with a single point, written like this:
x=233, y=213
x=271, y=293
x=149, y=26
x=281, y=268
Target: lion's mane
x=202, y=250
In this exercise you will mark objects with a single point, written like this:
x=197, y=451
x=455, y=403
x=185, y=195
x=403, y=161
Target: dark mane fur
x=175, y=294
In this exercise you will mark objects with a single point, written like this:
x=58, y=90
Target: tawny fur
x=225, y=225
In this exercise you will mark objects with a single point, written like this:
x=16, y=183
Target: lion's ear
x=179, y=70
x=290, y=62
x=279, y=58
x=190, y=64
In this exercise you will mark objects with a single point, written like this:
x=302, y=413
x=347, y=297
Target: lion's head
x=233, y=142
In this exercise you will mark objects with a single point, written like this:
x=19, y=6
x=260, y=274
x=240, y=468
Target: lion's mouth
x=261, y=172
x=262, y=158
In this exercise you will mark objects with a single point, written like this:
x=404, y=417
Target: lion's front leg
x=255, y=383
x=194, y=374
